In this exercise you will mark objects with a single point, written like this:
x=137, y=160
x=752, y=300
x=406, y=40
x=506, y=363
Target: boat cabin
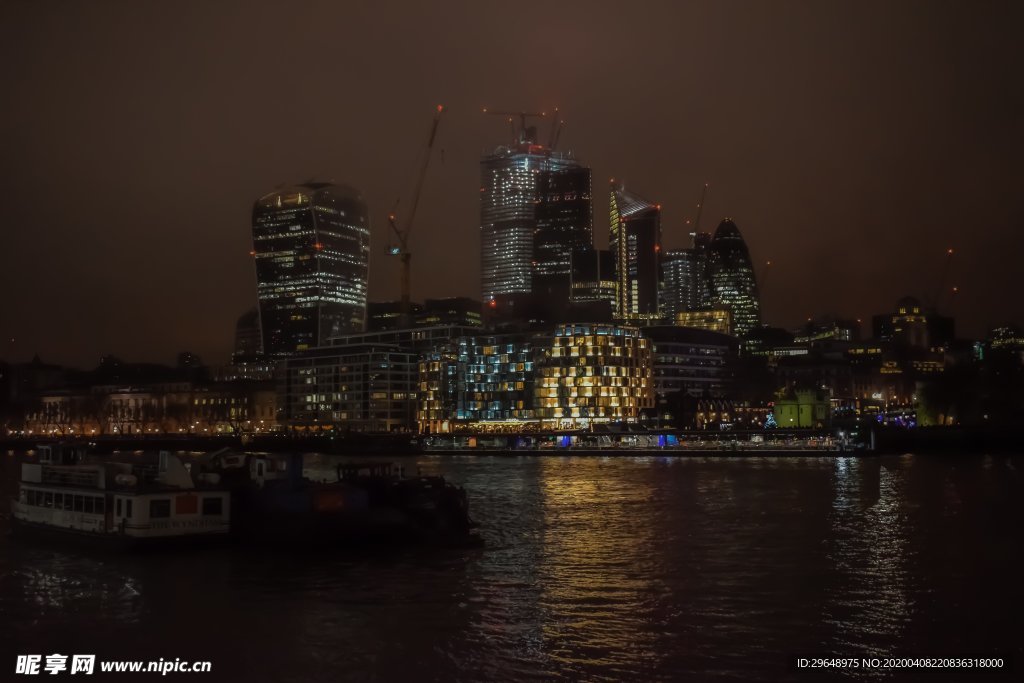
x=136, y=499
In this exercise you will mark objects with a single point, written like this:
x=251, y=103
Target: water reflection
x=594, y=569
x=869, y=549
x=599, y=568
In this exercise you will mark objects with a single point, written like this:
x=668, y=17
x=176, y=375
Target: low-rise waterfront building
x=359, y=388
x=589, y=373
x=688, y=360
x=476, y=379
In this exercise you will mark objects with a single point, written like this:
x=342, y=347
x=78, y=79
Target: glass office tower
x=564, y=225
x=508, y=214
x=732, y=278
x=635, y=240
x=312, y=248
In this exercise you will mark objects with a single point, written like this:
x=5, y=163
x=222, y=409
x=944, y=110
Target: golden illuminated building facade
x=593, y=373
x=714, y=320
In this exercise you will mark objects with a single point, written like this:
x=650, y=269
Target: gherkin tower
x=732, y=277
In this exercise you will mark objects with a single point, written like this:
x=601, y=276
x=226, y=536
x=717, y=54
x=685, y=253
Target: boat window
x=160, y=507
x=87, y=504
x=31, y=497
x=69, y=501
x=213, y=506
x=128, y=508
x=118, y=507
x=78, y=503
x=99, y=505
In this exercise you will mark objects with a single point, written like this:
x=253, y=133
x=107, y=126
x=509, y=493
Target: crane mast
x=518, y=135
x=402, y=233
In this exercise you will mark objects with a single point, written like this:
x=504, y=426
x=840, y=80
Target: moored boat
x=134, y=503
x=147, y=500
x=274, y=502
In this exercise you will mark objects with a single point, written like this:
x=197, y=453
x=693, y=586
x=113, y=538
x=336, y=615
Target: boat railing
x=83, y=477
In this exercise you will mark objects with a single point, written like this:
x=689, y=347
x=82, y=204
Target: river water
x=618, y=568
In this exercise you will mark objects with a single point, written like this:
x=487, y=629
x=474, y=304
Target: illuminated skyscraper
x=677, y=273
x=312, y=249
x=564, y=225
x=733, y=279
x=686, y=281
x=635, y=241
x=509, y=180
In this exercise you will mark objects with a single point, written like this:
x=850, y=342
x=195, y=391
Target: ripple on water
x=594, y=569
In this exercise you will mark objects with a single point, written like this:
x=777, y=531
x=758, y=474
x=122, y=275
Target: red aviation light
x=318, y=246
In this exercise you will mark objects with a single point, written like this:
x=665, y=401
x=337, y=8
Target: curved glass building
x=732, y=277
x=312, y=249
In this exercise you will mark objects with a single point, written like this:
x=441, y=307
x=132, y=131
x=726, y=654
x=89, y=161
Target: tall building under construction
x=534, y=210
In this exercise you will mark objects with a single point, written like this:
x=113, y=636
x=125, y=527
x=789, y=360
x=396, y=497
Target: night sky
x=852, y=143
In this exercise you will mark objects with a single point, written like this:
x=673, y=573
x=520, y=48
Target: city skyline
x=898, y=153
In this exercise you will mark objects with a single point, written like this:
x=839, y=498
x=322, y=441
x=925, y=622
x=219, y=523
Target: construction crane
x=764, y=279
x=700, y=209
x=402, y=233
x=556, y=130
x=518, y=135
x=936, y=299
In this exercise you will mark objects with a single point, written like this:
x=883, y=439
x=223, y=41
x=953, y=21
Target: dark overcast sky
x=851, y=142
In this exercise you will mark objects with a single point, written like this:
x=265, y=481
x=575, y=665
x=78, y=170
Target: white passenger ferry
x=134, y=502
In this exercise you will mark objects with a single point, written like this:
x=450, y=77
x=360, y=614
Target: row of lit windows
x=593, y=351
x=585, y=391
x=607, y=371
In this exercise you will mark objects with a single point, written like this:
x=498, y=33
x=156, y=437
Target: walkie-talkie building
x=732, y=277
x=312, y=248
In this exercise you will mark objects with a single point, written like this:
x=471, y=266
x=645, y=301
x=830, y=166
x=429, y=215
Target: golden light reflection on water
x=599, y=568
x=595, y=569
